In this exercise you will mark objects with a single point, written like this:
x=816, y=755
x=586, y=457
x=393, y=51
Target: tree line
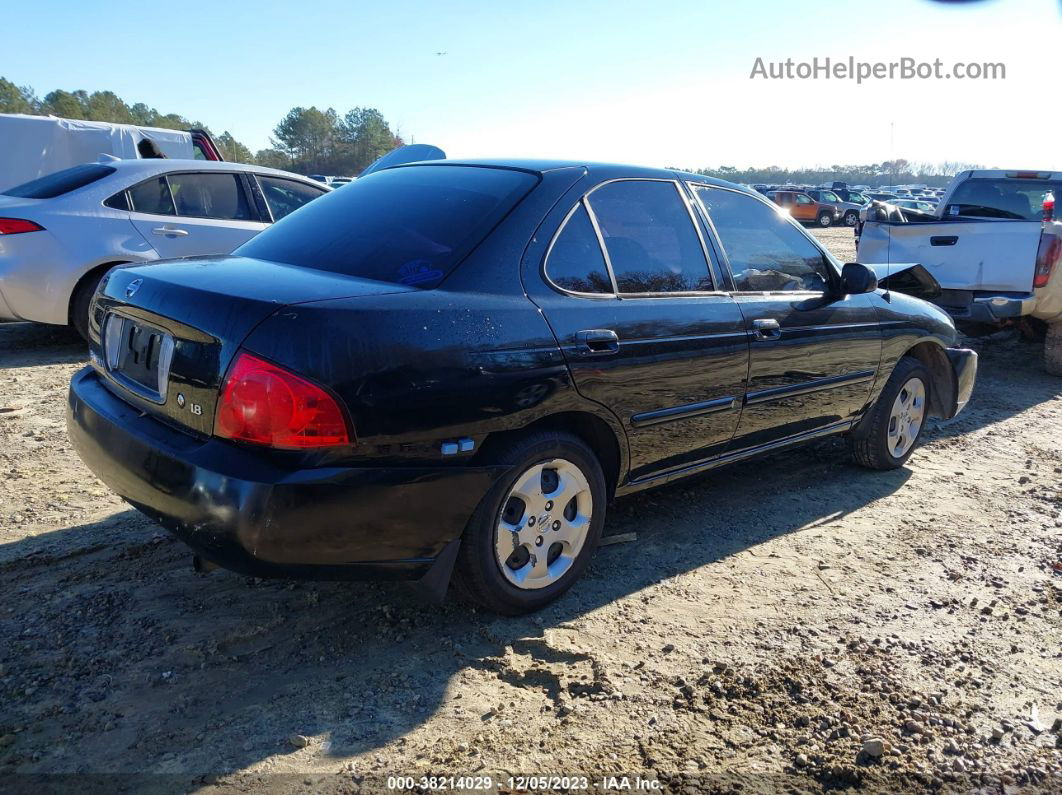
x=306, y=141
x=889, y=172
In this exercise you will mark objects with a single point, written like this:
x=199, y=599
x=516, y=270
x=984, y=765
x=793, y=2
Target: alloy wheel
x=906, y=418
x=543, y=524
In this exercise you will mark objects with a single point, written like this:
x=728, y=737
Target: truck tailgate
x=961, y=255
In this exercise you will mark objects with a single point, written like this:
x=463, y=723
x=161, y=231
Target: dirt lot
x=770, y=622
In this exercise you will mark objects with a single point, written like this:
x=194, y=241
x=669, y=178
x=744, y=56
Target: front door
x=629, y=294
x=813, y=352
x=192, y=214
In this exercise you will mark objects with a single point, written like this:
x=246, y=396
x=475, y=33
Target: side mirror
x=857, y=279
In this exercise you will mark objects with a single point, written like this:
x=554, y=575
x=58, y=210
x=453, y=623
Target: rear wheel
x=1053, y=349
x=825, y=219
x=888, y=434
x=534, y=532
x=81, y=301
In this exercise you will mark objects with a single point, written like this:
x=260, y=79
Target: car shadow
x=37, y=344
x=195, y=674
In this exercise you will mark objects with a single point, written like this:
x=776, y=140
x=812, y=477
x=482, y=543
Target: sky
x=657, y=83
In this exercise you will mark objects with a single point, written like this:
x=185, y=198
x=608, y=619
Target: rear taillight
x=17, y=226
x=1049, y=206
x=265, y=404
x=1047, y=257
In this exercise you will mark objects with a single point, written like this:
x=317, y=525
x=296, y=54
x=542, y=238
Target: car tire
x=851, y=218
x=81, y=302
x=824, y=220
x=1053, y=349
x=890, y=431
x=519, y=583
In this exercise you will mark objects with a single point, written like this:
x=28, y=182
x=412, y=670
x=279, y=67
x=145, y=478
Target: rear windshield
x=1016, y=199
x=409, y=225
x=52, y=185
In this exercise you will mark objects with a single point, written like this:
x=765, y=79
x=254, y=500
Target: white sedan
x=61, y=233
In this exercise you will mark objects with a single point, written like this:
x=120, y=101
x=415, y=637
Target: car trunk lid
x=163, y=335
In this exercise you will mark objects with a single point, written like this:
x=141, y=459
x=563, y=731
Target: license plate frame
x=138, y=356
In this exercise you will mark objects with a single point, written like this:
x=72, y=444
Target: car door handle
x=598, y=342
x=165, y=230
x=943, y=240
x=766, y=329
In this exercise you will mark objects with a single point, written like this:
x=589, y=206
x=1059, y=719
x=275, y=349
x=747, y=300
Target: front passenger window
x=767, y=252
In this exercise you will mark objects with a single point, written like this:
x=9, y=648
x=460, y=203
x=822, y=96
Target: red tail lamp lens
x=16, y=226
x=265, y=404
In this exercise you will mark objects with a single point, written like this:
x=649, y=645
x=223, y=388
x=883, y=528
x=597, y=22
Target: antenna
x=888, y=260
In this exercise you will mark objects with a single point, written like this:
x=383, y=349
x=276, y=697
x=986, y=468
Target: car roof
x=149, y=166
x=613, y=170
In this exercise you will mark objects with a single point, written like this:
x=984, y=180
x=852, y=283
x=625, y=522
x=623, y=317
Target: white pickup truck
x=992, y=244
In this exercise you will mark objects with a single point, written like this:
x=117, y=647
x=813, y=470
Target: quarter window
x=650, y=238
x=152, y=196
x=284, y=196
x=767, y=252
x=575, y=262
x=210, y=196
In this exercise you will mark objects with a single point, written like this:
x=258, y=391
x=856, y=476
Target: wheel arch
x=594, y=431
x=96, y=271
x=943, y=389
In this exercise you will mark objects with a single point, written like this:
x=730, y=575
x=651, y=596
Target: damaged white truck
x=992, y=245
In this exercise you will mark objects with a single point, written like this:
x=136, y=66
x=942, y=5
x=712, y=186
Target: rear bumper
x=964, y=363
x=242, y=512
x=986, y=307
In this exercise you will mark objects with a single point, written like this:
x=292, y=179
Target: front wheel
x=887, y=435
x=851, y=218
x=533, y=534
x=825, y=220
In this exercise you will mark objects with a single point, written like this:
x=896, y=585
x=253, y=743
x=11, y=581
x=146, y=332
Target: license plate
x=138, y=355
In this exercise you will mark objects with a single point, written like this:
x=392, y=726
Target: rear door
x=813, y=353
x=186, y=214
x=962, y=254
x=627, y=288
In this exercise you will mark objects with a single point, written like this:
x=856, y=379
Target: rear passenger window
x=767, y=253
x=651, y=241
x=284, y=196
x=575, y=262
x=152, y=196
x=210, y=196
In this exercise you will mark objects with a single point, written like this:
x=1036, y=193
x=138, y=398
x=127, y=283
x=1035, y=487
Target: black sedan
x=454, y=367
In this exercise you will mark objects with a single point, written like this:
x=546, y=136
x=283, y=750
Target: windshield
x=1016, y=199
x=52, y=185
x=409, y=225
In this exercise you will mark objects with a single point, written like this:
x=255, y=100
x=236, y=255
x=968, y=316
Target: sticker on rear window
x=417, y=272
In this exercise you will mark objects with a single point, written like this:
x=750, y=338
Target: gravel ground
x=793, y=624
